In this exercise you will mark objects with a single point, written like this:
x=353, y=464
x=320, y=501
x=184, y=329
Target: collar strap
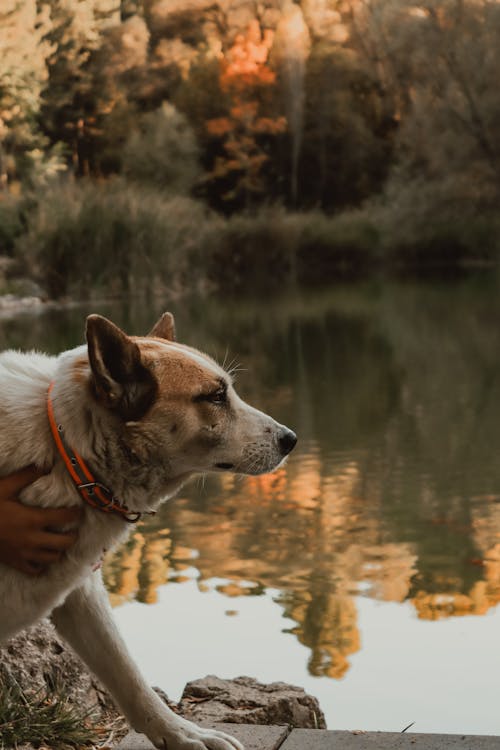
x=92, y=491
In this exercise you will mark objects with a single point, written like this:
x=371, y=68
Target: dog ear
x=121, y=381
x=164, y=328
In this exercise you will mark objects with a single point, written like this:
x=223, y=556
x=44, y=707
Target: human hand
x=29, y=541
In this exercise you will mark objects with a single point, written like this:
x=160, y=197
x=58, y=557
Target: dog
x=119, y=424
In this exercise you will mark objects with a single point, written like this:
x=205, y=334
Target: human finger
x=12, y=484
x=56, y=517
x=42, y=557
x=47, y=540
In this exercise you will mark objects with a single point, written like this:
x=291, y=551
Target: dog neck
x=90, y=489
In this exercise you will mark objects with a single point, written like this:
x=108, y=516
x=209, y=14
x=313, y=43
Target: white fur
x=70, y=591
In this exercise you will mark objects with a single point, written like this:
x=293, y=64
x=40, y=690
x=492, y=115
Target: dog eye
x=217, y=397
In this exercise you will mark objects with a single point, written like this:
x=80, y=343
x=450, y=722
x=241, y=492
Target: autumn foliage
x=375, y=114
x=247, y=83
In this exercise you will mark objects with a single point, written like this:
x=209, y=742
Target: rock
x=40, y=661
x=12, y=303
x=24, y=287
x=246, y=701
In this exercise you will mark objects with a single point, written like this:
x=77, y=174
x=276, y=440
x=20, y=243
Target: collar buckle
x=106, y=502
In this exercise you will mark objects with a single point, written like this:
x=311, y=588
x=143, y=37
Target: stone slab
x=317, y=739
x=134, y=741
x=253, y=737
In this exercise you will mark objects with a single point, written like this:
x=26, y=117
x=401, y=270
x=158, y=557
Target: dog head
x=176, y=406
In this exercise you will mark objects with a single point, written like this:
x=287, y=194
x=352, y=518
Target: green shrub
x=272, y=247
x=115, y=237
x=338, y=247
x=442, y=223
x=251, y=251
x=162, y=151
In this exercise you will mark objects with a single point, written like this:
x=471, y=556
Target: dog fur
x=145, y=413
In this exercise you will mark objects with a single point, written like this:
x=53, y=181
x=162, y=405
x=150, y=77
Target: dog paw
x=192, y=737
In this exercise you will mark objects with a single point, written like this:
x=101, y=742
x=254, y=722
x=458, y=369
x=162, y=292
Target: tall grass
x=447, y=223
x=120, y=237
x=11, y=222
x=274, y=247
x=115, y=238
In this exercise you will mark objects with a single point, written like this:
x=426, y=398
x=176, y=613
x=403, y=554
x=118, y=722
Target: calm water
x=368, y=568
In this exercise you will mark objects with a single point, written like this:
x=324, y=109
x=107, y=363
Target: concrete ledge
x=255, y=737
x=317, y=739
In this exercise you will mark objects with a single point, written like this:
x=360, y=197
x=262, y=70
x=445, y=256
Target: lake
x=367, y=569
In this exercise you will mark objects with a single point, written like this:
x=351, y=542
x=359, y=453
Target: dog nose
x=287, y=441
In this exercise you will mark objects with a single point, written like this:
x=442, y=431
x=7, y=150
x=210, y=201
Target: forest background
x=152, y=144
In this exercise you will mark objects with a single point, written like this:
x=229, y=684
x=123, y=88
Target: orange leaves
x=219, y=126
x=271, y=125
x=248, y=57
x=246, y=79
x=245, y=111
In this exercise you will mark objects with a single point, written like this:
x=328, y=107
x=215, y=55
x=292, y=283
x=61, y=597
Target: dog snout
x=287, y=441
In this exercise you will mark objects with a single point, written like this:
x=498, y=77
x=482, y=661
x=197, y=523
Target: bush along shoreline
x=145, y=145
x=81, y=239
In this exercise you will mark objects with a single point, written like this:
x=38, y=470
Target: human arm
x=28, y=541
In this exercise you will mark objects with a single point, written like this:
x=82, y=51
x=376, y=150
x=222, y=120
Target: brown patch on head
x=195, y=422
x=186, y=407
x=182, y=373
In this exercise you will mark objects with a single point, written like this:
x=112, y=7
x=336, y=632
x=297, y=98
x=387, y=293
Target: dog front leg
x=86, y=622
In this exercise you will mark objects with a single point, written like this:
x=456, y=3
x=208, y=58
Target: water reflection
x=314, y=537
x=394, y=490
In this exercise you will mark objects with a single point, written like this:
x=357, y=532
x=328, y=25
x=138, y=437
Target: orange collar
x=90, y=489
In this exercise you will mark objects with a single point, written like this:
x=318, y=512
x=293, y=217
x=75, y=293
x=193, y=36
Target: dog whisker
x=234, y=369
x=224, y=361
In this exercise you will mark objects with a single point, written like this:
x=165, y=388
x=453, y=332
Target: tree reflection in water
x=393, y=491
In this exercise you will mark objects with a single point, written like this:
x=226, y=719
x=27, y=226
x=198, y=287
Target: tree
x=69, y=109
x=348, y=131
x=445, y=56
x=162, y=151
x=291, y=49
x=441, y=57
x=23, y=72
x=119, y=70
x=241, y=136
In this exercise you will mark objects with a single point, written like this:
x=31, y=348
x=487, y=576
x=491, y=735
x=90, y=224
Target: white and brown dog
x=138, y=415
